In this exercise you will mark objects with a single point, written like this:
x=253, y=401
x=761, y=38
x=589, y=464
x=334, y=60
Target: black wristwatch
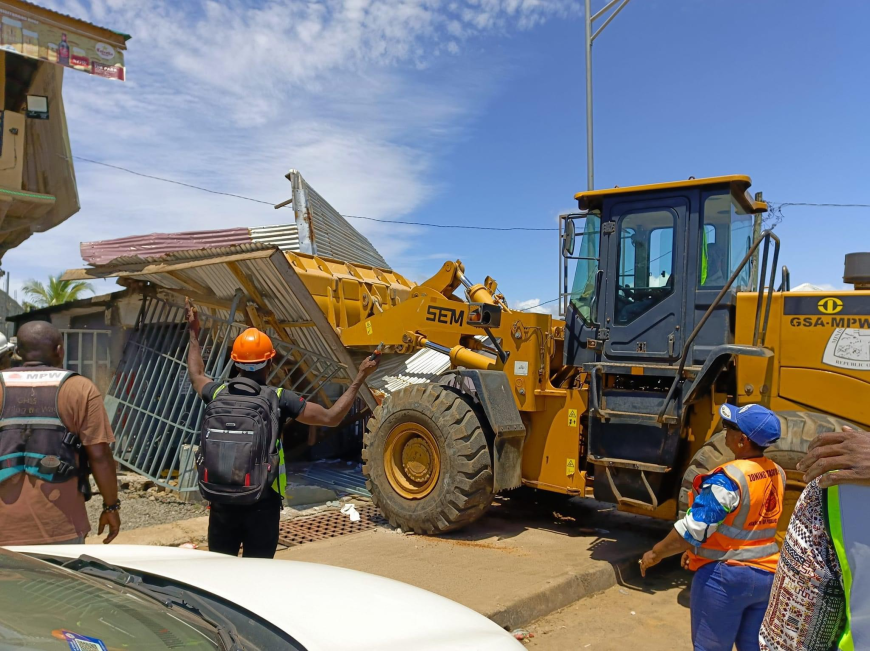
x=108, y=508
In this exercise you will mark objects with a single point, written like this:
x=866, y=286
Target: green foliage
x=56, y=292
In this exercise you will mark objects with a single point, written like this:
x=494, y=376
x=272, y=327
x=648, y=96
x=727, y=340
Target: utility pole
x=590, y=36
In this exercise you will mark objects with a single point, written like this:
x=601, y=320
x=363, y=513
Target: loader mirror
x=568, y=238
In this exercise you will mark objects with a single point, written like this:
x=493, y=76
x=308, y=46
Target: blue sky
x=466, y=112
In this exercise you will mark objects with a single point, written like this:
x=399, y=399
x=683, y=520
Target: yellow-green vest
x=849, y=524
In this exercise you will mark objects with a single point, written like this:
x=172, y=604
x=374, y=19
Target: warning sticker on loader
x=368, y=327
x=570, y=467
x=848, y=348
x=572, y=418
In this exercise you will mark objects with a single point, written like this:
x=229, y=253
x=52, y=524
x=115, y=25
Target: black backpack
x=238, y=448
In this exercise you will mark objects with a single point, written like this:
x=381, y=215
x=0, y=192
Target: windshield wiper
x=168, y=596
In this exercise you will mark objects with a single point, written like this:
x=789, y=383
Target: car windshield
x=47, y=607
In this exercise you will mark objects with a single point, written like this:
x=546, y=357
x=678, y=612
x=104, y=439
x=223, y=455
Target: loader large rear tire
x=799, y=428
x=426, y=460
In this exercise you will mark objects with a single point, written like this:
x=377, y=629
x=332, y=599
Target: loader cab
x=642, y=264
x=641, y=267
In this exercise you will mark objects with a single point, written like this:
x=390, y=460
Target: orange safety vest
x=747, y=536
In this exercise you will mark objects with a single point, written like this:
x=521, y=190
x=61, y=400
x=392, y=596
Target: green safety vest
x=704, y=259
x=849, y=526
x=280, y=483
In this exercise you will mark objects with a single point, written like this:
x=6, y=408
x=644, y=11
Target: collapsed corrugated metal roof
x=277, y=300
x=324, y=232
x=319, y=230
x=210, y=266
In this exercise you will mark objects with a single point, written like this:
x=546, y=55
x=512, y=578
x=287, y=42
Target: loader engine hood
x=822, y=352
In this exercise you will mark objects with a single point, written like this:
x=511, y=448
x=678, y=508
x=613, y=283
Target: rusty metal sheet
x=156, y=245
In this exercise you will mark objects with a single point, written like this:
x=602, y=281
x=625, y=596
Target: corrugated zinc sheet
x=333, y=235
x=399, y=371
x=156, y=245
x=285, y=237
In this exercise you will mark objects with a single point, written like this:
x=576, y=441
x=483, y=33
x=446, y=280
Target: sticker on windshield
x=82, y=643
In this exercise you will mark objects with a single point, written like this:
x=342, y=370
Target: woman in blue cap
x=729, y=535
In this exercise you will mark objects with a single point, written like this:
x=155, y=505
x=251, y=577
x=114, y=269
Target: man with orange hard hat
x=254, y=527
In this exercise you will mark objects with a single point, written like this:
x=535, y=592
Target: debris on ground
x=144, y=504
x=189, y=545
x=522, y=634
x=350, y=511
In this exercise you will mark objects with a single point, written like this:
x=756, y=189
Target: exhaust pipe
x=857, y=270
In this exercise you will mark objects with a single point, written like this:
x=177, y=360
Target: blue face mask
x=251, y=368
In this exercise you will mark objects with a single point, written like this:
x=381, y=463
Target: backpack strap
x=244, y=386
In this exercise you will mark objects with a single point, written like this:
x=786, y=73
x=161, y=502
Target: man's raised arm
x=195, y=365
x=314, y=414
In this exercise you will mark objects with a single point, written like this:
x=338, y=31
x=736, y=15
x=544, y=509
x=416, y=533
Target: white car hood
x=325, y=608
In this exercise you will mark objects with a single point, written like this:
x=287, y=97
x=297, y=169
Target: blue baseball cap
x=760, y=425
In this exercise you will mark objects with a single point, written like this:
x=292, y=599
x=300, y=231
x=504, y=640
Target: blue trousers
x=728, y=605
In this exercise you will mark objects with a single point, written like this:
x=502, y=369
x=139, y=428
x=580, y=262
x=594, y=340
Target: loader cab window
x=725, y=240
x=586, y=246
x=645, y=264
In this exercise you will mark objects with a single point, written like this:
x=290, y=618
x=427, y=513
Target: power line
x=532, y=307
x=775, y=211
x=160, y=178
x=271, y=203
x=475, y=228
x=822, y=205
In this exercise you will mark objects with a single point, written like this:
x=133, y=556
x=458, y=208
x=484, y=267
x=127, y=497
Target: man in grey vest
x=54, y=431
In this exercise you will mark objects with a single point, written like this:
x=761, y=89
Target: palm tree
x=58, y=291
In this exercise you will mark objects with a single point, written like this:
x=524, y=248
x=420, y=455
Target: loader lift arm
x=433, y=317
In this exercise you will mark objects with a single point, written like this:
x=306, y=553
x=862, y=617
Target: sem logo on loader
x=445, y=315
x=830, y=305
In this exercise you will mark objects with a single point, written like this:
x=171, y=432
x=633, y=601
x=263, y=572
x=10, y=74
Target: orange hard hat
x=252, y=347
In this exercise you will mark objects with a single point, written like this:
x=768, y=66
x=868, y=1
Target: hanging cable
x=271, y=203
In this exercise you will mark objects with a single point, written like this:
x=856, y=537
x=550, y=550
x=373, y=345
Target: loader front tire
x=799, y=428
x=426, y=460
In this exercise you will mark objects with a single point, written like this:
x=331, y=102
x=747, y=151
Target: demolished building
x=237, y=277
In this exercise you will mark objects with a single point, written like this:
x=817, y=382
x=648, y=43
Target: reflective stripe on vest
x=850, y=532
x=31, y=431
x=280, y=483
x=748, y=534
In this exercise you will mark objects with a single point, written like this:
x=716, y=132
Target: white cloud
x=821, y=287
x=230, y=95
x=534, y=305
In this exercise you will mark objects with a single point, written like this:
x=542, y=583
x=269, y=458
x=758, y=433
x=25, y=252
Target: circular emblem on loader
x=830, y=305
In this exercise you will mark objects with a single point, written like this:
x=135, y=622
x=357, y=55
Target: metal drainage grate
x=326, y=525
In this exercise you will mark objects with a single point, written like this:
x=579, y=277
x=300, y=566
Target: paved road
x=650, y=614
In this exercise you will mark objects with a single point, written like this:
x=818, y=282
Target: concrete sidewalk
x=171, y=534
x=520, y=562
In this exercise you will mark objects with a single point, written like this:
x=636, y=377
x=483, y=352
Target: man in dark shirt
x=254, y=527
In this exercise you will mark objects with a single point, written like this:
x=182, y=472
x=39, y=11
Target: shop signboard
x=58, y=42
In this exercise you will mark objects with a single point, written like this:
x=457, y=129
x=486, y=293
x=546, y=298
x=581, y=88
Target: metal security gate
x=88, y=353
x=155, y=413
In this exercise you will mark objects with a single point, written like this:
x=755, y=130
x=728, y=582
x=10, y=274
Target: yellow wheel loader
x=671, y=308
